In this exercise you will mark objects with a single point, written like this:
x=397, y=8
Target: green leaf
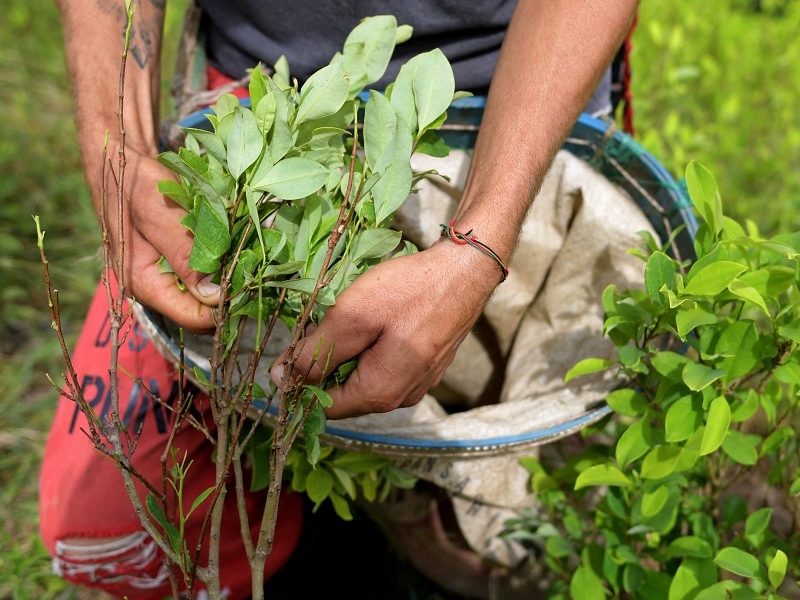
x=433, y=87
x=625, y=554
x=689, y=545
x=225, y=105
x=683, y=418
x=252, y=209
x=717, y=423
x=748, y=293
x=729, y=590
x=305, y=285
x=281, y=139
x=265, y=112
x=784, y=250
x=587, y=366
x=345, y=479
x=341, y=506
x=361, y=463
x=688, y=319
x=374, y=243
x=630, y=356
x=403, y=34
x=777, y=569
x=634, y=442
x=776, y=440
x=212, y=142
x=380, y=125
x=176, y=192
x=788, y=331
x=670, y=364
x=653, y=502
x=293, y=178
x=659, y=271
x=211, y=236
x=705, y=195
x=558, y=547
x=712, y=279
x=627, y=402
x=741, y=447
x=738, y=344
x=257, y=88
x=368, y=49
x=177, y=164
x=313, y=426
x=200, y=499
x=692, y=575
x=394, y=185
x=323, y=94
x=402, y=93
x=746, y=408
x=660, y=462
x=287, y=268
x=431, y=144
x=632, y=578
x=770, y=281
x=697, y=376
x=321, y=395
x=756, y=527
x=173, y=535
x=319, y=485
x=603, y=474
x=690, y=453
x=245, y=142
x=738, y=562
x=586, y=585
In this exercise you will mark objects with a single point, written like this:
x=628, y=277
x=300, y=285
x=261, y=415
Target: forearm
x=553, y=57
x=94, y=32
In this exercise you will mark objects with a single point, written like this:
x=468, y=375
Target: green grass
x=714, y=81
x=39, y=175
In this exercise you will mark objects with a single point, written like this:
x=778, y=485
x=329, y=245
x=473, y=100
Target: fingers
x=153, y=229
x=390, y=374
x=338, y=338
x=161, y=292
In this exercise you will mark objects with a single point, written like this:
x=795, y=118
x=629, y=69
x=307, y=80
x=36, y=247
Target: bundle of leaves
x=689, y=490
x=289, y=198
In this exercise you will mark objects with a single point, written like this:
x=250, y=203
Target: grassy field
x=716, y=81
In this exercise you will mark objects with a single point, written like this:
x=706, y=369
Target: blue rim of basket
x=460, y=132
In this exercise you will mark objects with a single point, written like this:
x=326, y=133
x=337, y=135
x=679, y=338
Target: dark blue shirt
x=241, y=33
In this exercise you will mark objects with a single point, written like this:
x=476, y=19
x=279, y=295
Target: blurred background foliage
x=719, y=82
x=716, y=81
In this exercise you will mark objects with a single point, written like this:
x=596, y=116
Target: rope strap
x=464, y=239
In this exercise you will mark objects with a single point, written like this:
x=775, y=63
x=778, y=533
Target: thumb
x=338, y=338
x=200, y=285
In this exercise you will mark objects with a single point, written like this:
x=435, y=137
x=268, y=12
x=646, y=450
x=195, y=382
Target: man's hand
x=153, y=229
x=404, y=320
x=94, y=37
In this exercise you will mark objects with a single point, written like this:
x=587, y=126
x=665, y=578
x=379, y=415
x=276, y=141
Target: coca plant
x=289, y=200
x=688, y=492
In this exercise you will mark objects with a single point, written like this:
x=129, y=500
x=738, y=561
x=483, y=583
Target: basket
x=420, y=431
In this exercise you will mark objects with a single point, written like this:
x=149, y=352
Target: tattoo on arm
x=145, y=33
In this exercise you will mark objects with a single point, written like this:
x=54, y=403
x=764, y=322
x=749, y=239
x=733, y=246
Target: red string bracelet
x=464, y=239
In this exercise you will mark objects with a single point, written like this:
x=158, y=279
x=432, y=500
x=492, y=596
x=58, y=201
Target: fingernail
x=277, y=374
x=206, y=288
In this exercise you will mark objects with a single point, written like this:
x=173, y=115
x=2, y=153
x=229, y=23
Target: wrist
x=470, y=239
x=465, y=264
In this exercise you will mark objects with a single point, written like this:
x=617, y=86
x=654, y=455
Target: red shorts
x=82, y=494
